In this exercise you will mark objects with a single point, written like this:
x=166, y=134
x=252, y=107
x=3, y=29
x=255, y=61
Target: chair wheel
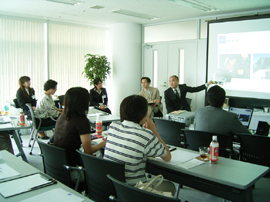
x=30, y=153
x=29, y=145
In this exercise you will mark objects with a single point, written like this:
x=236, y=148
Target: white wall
x=126, y=43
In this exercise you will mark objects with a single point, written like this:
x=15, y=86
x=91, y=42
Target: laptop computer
x=244, y=115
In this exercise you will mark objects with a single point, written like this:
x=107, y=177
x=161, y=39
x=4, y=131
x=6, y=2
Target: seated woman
x=46, y=107
x=73, y=128
x=98, y=96
x=26, y=94
x=131, y=144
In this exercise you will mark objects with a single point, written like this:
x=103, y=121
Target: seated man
x=152, y=96
x=175, y=96
x=216, y=120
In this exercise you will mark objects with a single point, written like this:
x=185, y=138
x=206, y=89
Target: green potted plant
x=96, y=67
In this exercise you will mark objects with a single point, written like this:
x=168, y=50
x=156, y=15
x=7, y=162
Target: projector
x=184, y=117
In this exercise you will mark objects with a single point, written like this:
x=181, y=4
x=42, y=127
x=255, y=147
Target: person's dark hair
x=176, y=77
x=216, y=96
x=148, y=79
x=76, y=102
x=96, y=81
x=133, y=108
x=21, y=82
x=50, y=84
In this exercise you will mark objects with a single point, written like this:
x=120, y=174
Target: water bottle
x=6, y=107
x=214, y=149
x=98, y=125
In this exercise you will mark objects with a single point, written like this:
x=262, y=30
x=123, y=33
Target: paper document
x=55, y=195
x=6, y=125
x=23, y=184
x=6, y=171
x=192, y=163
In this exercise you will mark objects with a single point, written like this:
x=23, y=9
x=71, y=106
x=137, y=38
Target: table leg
x=18, y=142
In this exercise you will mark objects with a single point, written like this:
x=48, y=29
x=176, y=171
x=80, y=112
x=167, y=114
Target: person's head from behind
x=50, y=86
x=174, y=81
x=145, y=82
x=76, y=102
x=24, y=82
x=134, y=108
x=216, y=96
x=97, y=83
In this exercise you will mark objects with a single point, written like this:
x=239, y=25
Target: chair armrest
x=79, y=169
x=112, y=198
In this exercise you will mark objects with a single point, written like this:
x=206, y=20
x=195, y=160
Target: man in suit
x=214, y=119
x=175, y=96
x=152, y=96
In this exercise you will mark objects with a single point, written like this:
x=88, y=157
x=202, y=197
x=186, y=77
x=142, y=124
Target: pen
x=43, y=185
x=173, y=149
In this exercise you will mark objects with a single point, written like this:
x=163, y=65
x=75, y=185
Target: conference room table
x=26, y=169
x=105, y=117
x=13, y=126
x=228, y=179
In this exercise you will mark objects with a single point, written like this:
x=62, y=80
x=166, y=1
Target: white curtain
x=67, y=47
x=22, y=52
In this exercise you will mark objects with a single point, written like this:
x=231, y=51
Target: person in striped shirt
x=130, y=143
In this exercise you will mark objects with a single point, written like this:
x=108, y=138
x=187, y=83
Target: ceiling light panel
x=134, y=14
x=197, y=5
x=68, y=2
x=97, y=7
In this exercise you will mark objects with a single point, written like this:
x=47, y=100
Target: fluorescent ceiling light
x=97, y=7
x=134, y=14
x=197, y=5
x=68, y=2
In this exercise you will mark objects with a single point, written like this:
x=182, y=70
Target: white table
x=229, y=179
x=26, y=169
x=15, y=128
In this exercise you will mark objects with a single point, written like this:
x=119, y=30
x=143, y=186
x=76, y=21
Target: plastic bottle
x=214, y=149
x=22, y=120
x=98, y=125
x=7, y=107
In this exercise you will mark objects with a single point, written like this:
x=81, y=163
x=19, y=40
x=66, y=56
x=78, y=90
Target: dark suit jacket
x=23, y=99
x=173, y=103
x=96, y=98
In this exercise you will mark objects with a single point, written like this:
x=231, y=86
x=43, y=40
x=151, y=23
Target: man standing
x=152, y=96
x=175, y=96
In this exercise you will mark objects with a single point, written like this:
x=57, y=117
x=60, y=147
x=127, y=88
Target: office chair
x=125, y=192
x=98, y=186
x=55, y=164
x=170, y=131
x=255, y=149
x=16, y=103
x=195, y=139
x=36, y=128
x=61, y=101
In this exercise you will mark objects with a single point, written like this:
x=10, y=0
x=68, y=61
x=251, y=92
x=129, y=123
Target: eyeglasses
x=145, y=82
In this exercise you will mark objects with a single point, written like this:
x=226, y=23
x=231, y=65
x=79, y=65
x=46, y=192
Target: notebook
x=244, y=115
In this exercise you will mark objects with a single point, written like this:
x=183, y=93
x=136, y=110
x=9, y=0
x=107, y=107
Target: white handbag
x=148, y=186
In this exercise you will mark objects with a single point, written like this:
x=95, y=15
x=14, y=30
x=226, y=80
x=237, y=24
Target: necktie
x=177, y=94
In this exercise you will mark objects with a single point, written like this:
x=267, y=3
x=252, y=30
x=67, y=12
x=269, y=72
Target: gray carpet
x=261, y=192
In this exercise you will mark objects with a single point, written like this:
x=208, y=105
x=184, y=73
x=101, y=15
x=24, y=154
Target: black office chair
x=125, y=192
x=98, y=186
x=170, y=131
x=36, y=128
x=55, y=164
x=61, y=101
x=195, y=139
x=16, y=103
x=255, y=149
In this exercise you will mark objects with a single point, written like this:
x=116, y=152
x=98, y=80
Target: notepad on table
x=7, y=172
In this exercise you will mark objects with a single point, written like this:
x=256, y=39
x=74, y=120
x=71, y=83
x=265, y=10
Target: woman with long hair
x=73, y=127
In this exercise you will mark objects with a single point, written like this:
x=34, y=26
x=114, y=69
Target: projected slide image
x=261, y=66
x=234, y=66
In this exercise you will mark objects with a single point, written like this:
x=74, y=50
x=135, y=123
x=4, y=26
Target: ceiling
x=165, y=10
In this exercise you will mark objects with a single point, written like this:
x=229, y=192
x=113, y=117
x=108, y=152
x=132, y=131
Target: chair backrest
x=33, y=117
x=170, y=131
x=125, y=192
x=54, y=159
x=61, y=100
x=17, y=105
x=255, y=149
x=196, y=139
x=99, y=187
